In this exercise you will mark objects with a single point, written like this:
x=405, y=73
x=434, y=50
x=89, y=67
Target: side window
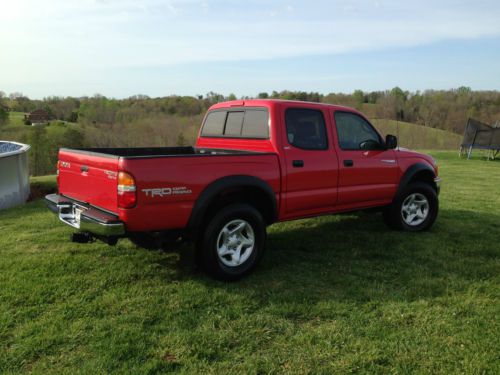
x=214, y=123
x=305, y=128
x=353, y=130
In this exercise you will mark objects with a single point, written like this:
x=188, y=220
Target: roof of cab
x=272, y=102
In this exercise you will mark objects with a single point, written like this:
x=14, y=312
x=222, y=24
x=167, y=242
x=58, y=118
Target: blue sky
x=162, y=47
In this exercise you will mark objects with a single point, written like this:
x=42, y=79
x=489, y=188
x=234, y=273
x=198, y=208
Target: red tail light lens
x=57, y=173
x=127, y=197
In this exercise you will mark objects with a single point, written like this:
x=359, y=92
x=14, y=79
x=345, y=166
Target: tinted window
x=241, y=123
x=306, y=129
x=214, y=123
x=353, y=130
x=256, y=124
x=233, y=123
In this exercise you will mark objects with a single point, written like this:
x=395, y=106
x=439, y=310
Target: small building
x=37, y=117
x=4, y=107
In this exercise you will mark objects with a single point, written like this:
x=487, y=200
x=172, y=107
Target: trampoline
x=478, y=135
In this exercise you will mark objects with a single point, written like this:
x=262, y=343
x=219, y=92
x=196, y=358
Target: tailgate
x=89, y=177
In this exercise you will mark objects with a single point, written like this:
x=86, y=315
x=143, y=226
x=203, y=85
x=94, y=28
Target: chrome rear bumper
x=84, y=217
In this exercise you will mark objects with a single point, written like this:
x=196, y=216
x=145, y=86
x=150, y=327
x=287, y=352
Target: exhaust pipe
x=86, y=237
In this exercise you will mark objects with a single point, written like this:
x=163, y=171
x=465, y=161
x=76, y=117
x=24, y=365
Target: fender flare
x=224, y=183
x=411, y=172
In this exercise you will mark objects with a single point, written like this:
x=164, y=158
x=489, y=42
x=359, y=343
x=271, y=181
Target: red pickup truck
x=256, y=162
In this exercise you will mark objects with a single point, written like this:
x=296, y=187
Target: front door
x=368, y=171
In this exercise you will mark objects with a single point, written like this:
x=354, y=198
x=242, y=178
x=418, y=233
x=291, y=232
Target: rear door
x=368, y=171
x=311, y=162
x=89, y=177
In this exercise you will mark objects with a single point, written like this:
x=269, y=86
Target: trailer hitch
x=86, y=237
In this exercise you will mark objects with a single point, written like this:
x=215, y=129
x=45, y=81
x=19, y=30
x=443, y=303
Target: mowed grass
x=416, y=136
x=334, y=294
x=16, y=118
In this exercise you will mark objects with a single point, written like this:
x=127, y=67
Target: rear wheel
x=232, y=242
x=415, y=209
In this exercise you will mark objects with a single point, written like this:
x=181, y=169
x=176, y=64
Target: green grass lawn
x=333, y=294
x=16, y=118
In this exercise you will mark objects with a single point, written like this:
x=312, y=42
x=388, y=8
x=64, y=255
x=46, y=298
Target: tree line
x=99, y=121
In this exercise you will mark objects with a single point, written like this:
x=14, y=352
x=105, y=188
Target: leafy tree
x=174, y=120
x=39, y=153
x=4, y=116
x=464, y=90
x=359, y=98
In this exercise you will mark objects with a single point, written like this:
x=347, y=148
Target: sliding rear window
x=237, y=123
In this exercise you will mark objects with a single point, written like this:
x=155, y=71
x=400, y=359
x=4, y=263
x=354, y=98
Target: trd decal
x=163, y=192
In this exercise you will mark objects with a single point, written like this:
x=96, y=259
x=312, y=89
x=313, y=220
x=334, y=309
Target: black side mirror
x=391, y=141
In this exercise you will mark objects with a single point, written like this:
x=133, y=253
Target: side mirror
x=391, y=141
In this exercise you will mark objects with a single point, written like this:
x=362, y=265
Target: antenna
x=397, y=132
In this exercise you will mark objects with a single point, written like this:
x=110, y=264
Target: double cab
x=255, y=162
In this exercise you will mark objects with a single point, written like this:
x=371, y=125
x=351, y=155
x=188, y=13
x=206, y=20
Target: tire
x=232, y=242
x=415, y=209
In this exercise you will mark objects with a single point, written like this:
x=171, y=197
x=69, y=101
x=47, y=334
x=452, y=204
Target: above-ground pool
x=14, y=174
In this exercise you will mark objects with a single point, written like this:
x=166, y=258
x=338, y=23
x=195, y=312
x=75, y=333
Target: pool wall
x=14, y=174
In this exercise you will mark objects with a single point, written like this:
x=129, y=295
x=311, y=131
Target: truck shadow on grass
x=357, y=258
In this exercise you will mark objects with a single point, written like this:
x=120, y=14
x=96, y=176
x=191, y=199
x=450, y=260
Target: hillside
x=167, y=130
x=417, y=136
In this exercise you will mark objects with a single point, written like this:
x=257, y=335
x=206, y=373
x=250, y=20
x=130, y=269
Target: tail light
x=57, y=173
x=127, y=197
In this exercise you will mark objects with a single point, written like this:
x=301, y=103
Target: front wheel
x=415, y=209
x=233, y=242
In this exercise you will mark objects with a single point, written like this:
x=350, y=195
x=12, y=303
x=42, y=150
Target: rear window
x=214, y=123
x=256, y=124
x=234, y=123
x=237, y=123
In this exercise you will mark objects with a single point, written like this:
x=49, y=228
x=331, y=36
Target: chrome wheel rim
x=415, y=209
x=235, y=243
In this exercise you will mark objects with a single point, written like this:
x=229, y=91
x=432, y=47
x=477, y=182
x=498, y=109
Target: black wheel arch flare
x=413, y=173
x=215, y=188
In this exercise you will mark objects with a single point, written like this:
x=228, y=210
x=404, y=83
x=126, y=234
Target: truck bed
x=89, y=175
x=148, y=152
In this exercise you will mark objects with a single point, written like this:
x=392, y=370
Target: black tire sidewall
x=432, y=198
x=207, y=247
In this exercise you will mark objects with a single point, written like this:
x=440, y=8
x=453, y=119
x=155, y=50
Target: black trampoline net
x=480, y=135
